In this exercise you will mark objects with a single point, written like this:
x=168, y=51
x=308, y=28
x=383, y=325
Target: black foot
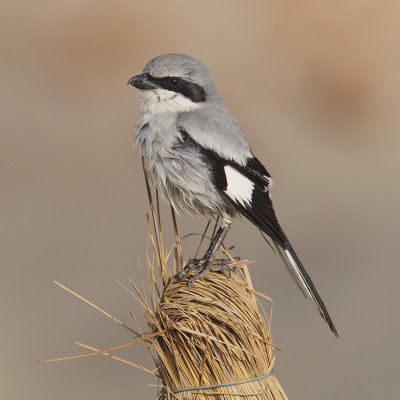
x=202, y=266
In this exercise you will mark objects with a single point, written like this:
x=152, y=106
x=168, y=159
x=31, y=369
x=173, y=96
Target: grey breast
x=177, y=170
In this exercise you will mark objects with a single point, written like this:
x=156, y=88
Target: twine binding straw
x=195, y=388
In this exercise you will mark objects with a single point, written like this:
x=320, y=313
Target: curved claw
x=190, y=280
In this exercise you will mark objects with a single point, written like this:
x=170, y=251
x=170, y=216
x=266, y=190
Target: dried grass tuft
x=214, y=334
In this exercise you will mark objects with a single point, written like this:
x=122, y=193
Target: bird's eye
x=174, y=82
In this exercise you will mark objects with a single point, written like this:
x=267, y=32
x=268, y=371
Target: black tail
x=304, y=282
x=261, y=213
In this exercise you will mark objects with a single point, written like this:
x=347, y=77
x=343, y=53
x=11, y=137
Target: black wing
x=257, y=205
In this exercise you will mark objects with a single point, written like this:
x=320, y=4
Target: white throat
x=160, y=101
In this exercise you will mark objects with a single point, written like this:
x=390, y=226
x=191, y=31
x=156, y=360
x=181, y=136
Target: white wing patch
x=239, y=188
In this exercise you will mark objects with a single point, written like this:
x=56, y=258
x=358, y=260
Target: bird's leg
x=206, y=262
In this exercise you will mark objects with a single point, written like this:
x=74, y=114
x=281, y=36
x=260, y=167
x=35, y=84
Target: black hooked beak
x=142, y=82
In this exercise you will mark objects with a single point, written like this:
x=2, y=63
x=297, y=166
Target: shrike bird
x=199, y=159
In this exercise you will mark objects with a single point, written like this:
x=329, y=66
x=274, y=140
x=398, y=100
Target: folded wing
x=246, y=187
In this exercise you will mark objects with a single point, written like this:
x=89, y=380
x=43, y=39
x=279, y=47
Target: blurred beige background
x=315, y=84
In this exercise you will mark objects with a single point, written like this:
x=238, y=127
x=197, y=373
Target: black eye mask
x=191, y=90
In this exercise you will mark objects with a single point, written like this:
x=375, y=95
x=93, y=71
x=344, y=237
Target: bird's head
x=174, y=83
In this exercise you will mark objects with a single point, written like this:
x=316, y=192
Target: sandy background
x=315, y=85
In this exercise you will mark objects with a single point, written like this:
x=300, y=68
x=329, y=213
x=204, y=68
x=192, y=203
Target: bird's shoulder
x=214, y=128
